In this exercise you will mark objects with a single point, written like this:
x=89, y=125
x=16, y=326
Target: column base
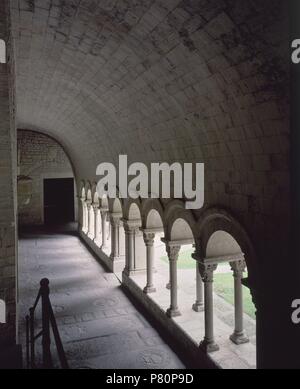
x=149, y=289
x=173, y=312
x=91, y=236
x=209, y=346
x=97, y=242
x=198, y=307
x=239, y=338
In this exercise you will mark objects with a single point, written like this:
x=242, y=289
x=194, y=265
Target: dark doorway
x=58, y=200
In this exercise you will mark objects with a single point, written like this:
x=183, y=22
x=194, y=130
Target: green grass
x=185, y=260
x=223, y=282
x=223, y=287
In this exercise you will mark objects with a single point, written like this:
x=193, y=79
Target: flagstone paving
x=99, y=326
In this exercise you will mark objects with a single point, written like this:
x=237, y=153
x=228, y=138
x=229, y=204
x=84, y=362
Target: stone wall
x=39, y=157
x=8, y=249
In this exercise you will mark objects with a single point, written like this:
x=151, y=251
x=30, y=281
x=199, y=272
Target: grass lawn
x=223, y=287
x=223, y=282
x=185, y=260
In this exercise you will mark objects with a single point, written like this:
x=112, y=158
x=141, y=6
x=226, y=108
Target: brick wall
x=39, y=157
x=8, y=249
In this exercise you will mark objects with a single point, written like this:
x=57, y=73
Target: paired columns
x=115, y=221
x=90, y=220
x=104, y=212
x=173, y=251
x=84, y=214
x=238, y=336
x=198, y=306
x=208, y=344
x=206, y=267
x=96, y=223
x=149, y=242
x=130, y=227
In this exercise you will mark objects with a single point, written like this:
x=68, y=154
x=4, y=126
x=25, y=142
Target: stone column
x=149, y=242
x=115, y=221
x=83, y=209
x=103, y=212
x=129, y=247
x=90, y=227
x=238, y=336
x=198, y=306
x=97, y=223
x=208, y=344
x=173, y=252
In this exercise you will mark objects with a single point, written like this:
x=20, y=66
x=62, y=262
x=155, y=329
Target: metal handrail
x=48, y=319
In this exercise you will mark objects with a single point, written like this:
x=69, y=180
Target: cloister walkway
x=99, y=326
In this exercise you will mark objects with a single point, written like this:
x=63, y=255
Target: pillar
x=103, y=212
x=83, y=209
x=173, y=252
x=97, y=223
x=115, y=221
x=238, y=336
x=198, y=306
x=149, y=242
x=129, y=247
x=208, y=344
x=90, y=224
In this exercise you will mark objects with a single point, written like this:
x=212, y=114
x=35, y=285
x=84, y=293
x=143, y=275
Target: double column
x=173, y=251
x=149, y=242
x=96, y=223
x=90, y=221
x=208, y=344
x=238, y=336
x=130, y=227
x=84, y=214
x=115, y=221
x=104, y=212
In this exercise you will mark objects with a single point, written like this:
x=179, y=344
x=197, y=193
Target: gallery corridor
x=99, y=326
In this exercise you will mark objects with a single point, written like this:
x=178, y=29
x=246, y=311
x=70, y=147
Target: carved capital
x=115, y=219
x=238, y=267
x=95, y=207
x=173, y=252
x=103, y=212
x=207, y=271
x=149, y=238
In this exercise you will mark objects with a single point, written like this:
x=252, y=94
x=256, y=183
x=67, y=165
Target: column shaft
x=149, y=241
x=173, y=256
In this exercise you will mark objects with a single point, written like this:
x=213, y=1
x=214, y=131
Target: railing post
x=31, y=322
x=46, y=341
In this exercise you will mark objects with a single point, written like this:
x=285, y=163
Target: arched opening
x=189, y=282
x=46, y=183
x=225, y=255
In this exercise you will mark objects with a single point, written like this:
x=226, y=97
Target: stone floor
x=99, y=326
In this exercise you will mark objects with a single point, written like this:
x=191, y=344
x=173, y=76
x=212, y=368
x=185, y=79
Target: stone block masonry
x=39, y=157
x=8, y=247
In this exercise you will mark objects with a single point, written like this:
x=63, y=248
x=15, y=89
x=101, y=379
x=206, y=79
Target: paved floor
x=99, y=326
